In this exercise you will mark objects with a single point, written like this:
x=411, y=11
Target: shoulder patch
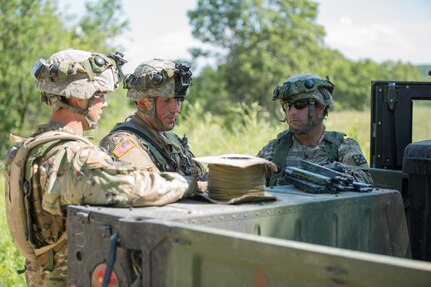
x=359, y=159
x=122, y=148
x=95, y=157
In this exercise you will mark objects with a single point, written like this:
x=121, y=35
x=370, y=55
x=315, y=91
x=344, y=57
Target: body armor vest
x=284, y=142
x=163, y=160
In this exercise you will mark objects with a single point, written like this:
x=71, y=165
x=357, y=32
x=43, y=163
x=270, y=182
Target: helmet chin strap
x=91, y=123
x=311, y=123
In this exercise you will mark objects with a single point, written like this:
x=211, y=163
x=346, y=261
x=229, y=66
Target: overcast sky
x=376, y=29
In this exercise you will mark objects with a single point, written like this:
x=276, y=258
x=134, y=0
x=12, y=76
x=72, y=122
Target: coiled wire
x=227, y=182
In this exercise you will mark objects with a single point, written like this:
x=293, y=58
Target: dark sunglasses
x=299, y=105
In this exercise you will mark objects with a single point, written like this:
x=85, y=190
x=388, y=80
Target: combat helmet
x=78, y=74
x=158, y=78
x=309, y=89
x=305, y=86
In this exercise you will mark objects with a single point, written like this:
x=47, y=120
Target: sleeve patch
x=95, y=157
x=359, y=159
x=123, y=148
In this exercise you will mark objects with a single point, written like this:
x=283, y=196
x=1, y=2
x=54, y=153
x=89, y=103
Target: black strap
x=112, y=255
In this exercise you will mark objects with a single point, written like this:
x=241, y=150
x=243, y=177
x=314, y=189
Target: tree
x=263, y=42
x=32, y=29
x=101, y=24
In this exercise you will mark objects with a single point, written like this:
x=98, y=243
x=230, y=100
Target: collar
x=159, y=136
x=55, y=127
x=318, y=141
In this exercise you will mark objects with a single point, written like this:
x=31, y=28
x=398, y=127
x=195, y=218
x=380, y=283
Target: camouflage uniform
x=165, y=152
x=72, y=172
x=137, y=142
x=67, y=172
x=347, y=152
x=304, y=91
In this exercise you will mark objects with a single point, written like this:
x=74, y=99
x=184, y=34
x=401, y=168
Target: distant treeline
x=256, y=45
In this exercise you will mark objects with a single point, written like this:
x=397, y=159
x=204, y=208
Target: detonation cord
x=227, y=182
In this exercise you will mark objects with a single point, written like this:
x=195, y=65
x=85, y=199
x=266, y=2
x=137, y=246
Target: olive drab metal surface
x=302, y=239
x=193, y=242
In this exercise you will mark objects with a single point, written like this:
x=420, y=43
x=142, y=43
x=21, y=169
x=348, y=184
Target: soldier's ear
x=320, y=109
x=143, y=104
x=78, y=103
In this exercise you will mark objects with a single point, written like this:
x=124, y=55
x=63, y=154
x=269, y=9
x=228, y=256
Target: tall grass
x=9, y=257
x=246, y=132
x=253, y=128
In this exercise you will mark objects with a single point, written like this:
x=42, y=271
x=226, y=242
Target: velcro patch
x=359, y=159
x=122, y=148
x=95, y=157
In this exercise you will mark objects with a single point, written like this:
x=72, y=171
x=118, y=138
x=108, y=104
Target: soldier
x=146, y=139
x=305, y=100
x=61, y=167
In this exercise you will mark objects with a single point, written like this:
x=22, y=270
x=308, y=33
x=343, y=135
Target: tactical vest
x=284, y=142
x=160, y=157
x=22, y=199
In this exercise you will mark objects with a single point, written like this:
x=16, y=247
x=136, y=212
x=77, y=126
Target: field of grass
x=207, y=136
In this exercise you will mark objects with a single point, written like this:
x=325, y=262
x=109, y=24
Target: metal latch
x=392, y=96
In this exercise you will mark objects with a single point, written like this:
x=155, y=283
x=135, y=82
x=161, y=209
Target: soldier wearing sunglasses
x=306, y=100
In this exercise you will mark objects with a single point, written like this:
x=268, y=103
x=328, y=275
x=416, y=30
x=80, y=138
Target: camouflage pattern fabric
x=175, y=155
x=36, y=275
x=77, y=85
x=72, y=172
x=349, y=153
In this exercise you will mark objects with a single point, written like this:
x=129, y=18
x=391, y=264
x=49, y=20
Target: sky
x=376, y=29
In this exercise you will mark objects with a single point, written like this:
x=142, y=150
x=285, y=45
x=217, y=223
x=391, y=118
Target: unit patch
x=359, y=159
x=122, y=148
x=95, y=157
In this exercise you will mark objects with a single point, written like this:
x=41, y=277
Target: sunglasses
x=299, y=105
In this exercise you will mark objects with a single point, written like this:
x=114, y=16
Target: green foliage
x=424, y=70
x=9, y=256
x=262, y=39
x=21, y=45
x=263, y=42
x=32, y=29
x=101, y=24
x=210, y=135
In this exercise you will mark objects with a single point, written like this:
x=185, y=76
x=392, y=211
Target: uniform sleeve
x=86, y=175
x=350, y=154
x=198, y=170
x=267, y=152
x=127, y=147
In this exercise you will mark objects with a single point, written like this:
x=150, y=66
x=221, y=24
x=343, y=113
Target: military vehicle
x=377, y=238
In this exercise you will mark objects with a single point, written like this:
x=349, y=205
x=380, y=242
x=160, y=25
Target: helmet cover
x=75, y=73
x=305, y=86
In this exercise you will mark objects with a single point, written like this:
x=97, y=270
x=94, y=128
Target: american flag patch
x=123, y=148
